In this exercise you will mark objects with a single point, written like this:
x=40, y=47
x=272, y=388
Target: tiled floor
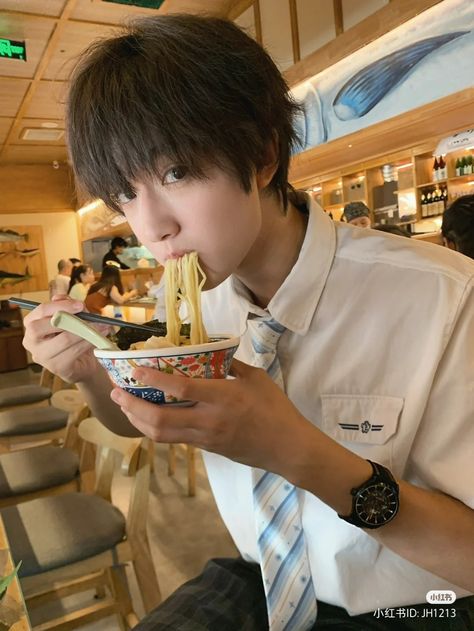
x=184, y=532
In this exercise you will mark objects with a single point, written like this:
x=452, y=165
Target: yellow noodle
x=183, y=284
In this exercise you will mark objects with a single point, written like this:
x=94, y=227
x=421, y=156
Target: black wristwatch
x=375, y=502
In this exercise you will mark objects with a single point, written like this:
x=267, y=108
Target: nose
x=155, y=216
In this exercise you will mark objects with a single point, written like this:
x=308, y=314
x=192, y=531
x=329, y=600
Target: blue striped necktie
x=291, y=601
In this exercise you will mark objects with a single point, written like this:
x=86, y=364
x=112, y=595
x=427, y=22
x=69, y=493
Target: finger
x=157, y=419
x=47, y=309
x=162, y=433
x=183, y=388
x=153, y=413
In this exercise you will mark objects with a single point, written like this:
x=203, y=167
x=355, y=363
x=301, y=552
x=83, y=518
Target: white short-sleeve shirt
x=379, y=355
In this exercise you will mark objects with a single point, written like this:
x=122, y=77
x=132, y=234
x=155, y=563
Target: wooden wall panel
x=25, y=256
x=38, y=188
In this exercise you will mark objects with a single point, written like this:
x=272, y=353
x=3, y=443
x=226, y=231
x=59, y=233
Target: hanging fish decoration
x=9, y=278
x=10, y=236
x=27, y=253
x=371, y=84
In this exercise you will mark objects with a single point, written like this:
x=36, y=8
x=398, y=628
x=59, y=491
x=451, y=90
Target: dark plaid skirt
x=229, y=596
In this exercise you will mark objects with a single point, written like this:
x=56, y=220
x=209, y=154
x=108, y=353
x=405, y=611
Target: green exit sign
x=12, y=50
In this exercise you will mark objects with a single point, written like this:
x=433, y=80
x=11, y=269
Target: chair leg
x=171, y=459
x=191, y=462
x=121, y=593
x=145, y=573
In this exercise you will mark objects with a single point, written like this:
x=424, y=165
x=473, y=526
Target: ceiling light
x=38, y=134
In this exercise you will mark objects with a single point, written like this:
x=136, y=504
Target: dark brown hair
x=109, y=277
x=458, y=224
x=76, y=274
x=191, y=89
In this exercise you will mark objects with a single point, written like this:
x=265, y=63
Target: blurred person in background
x=458, y=226
x=107, y=290
x=75, y=262
x=117, y=246
x=357, y=214
x=82, y=277
x=59, y=286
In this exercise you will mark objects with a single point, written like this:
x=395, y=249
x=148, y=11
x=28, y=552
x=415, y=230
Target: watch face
x=376, y=504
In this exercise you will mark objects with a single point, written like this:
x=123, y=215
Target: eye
x=175, y=174
x=123, y=198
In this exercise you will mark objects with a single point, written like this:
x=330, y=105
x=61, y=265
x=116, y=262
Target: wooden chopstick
x=89, y=317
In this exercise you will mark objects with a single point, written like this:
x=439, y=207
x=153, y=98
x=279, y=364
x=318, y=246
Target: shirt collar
x=296, y=300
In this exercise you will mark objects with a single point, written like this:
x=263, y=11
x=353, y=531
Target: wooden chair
x=74, y=542
x=190, y=463
x=38, y=471
x=31, y=394
x=38, y=424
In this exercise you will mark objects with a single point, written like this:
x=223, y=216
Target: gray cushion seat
x=34, y=420
x=52, y=532
x=30, y=470
x=21, y=395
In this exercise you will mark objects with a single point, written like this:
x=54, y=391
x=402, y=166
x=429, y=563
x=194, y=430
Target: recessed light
x=50, y=125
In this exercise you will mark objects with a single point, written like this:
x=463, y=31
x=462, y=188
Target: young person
x=82, y=277
x=107, y=290
x=184, y=124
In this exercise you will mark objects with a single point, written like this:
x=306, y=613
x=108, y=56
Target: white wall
x=60, y=236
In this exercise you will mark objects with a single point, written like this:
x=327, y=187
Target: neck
x=275, y=251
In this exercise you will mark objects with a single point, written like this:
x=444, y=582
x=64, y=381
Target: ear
x=270, y=164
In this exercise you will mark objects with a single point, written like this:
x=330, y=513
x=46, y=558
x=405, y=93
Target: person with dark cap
x=117, y=246
x=458, y=226
x=357, y=214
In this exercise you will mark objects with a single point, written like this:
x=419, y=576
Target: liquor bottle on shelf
x=442, y=170
x=435, y=170
x=463, y=165
x=458, y=167
x=428, y=204
x=424, y=205
x=445, y=198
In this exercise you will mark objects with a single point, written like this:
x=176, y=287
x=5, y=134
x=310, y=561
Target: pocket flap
x=360, y=418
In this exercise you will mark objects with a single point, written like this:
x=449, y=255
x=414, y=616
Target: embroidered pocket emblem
x=365, y=427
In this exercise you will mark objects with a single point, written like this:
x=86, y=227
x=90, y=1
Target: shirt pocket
x=365, y=424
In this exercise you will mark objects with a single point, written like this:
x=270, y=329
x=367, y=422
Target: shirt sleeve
x=442, y=456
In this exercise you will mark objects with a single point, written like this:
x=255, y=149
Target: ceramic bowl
x=202, y=361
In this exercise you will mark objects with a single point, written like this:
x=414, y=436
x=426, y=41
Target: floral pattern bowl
x=203, y=361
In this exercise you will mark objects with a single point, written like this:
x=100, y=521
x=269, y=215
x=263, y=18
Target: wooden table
x=13, y=600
